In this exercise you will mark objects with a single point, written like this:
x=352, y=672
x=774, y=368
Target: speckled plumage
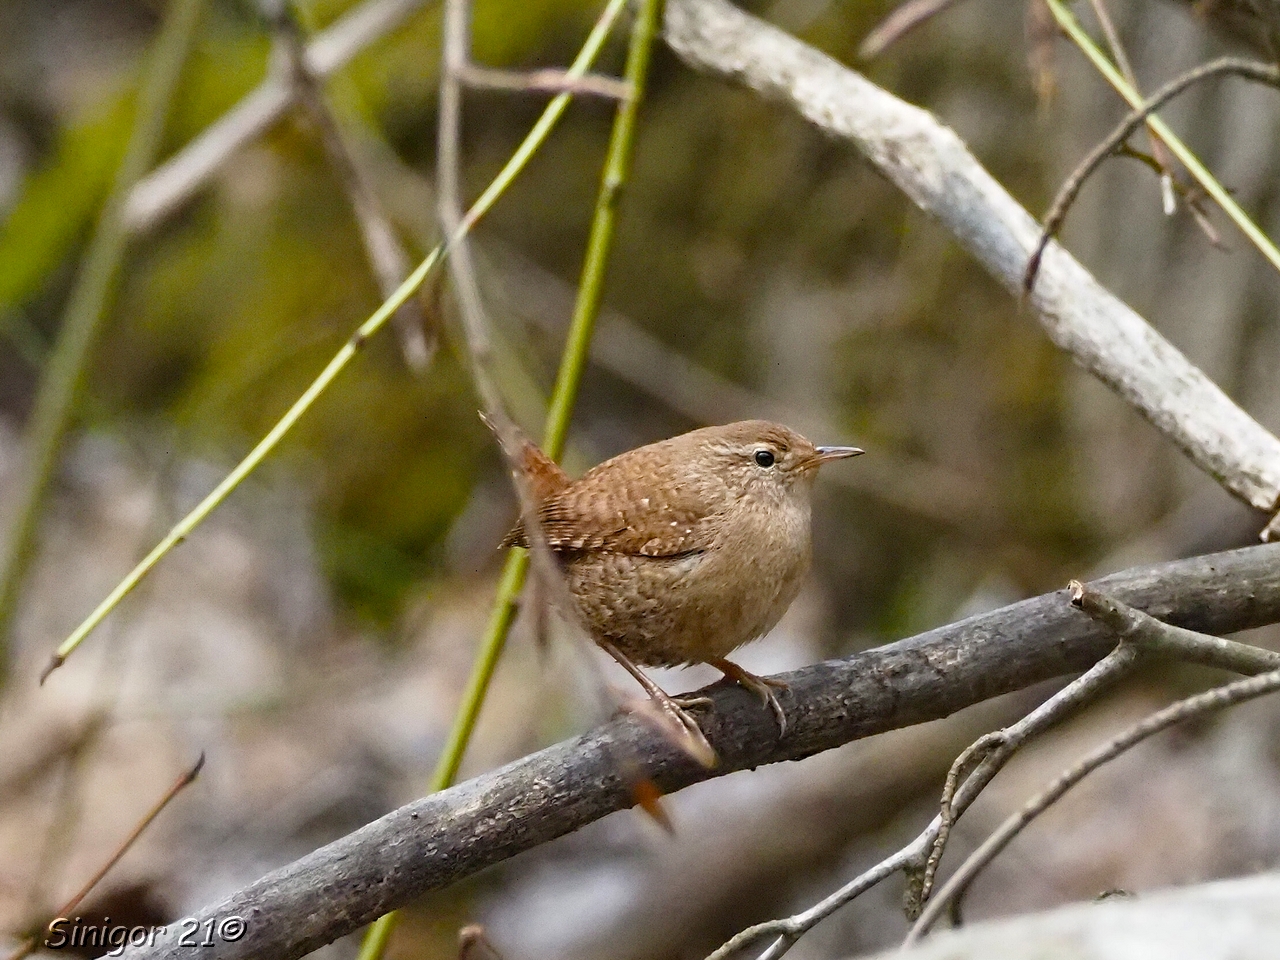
x=681, y=551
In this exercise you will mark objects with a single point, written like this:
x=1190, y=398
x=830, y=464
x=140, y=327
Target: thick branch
x=932, y=166
x=442, y=838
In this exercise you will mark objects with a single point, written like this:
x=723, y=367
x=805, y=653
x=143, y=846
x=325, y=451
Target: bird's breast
x=701, y=605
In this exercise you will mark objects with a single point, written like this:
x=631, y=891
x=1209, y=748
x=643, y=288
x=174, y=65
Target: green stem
x=554, y=110
x=89, y=302
x=572, y=363
x=1071, y=26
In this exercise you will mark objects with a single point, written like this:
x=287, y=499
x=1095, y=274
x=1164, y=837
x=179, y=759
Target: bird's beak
x=826, y=454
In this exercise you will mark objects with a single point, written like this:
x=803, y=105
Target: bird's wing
x=652, y=516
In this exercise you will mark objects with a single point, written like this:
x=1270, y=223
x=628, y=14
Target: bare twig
x=1159, y=152
x=681, y=727
x=456, y=44
x=461, y=266
x=506, y=598
x=172, y=184
x=1198, y=172
x=1248, y=69
x=386, y=254
x=184, y=780
x=442, y=838
x=1200, y=705
x=550, y=80
x=1163, y=639
x=904, y=18
x=676, y=723
x=936, y=171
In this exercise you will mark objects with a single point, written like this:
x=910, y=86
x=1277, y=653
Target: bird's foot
x=664, y=710
x=670, y=715
x=762, y=687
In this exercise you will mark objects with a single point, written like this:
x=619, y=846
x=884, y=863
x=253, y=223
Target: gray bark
x=440, y=839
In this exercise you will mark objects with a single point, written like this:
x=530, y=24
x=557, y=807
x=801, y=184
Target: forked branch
x=1200, y=705
x=1140, y=636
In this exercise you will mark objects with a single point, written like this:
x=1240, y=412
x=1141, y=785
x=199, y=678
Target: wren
x=681, y=551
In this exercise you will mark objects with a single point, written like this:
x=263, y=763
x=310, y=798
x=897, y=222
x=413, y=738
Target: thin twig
x=1165, y=639
x=185, y=780
x=999, y=750
x=904, y=18
x=1248, y=69
x=916, y=856
x=456, y=44
x=1138, y=633
x=386, y=254
x=549, y=80
x=1160, y=153
x=169, y=186
x=1200, y=705
x=976, y=752
x=62, y=379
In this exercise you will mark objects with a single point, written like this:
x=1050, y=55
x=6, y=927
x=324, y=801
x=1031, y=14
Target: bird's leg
x=676, y=708
x=762, y=687
x=674, y=704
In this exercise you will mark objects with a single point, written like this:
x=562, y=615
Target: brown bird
x=681, y=551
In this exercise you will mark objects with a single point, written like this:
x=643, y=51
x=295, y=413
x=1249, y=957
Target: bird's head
x=757, y=455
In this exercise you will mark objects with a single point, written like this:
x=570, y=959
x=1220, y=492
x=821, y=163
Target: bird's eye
x=764, y=458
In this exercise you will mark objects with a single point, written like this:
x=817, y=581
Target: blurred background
x=313, y=637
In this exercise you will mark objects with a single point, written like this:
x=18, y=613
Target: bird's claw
x=670, y=717
x=771, y=701
x=762, y=687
